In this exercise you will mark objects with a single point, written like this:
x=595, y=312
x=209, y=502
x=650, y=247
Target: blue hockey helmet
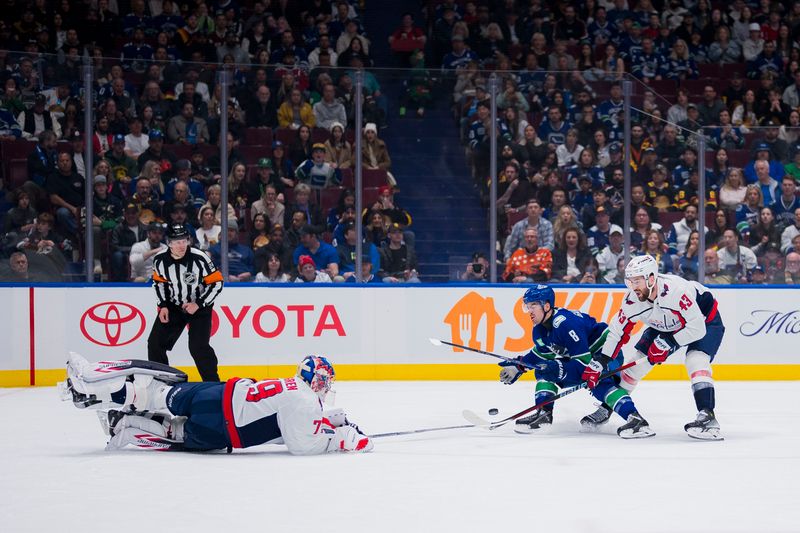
x=318, y=373
x=539, y=294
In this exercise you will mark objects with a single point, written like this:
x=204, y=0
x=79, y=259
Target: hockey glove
x=551, y=370
x=591, y=375
x=660, y=349
x=511, y=371
x=348, y=439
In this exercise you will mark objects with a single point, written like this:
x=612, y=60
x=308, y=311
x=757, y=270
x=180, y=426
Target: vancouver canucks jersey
x=567, y=334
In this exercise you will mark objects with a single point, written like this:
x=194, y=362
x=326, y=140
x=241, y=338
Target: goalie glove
x=347, y=439
x=336, y=417
x=661, y=348
x=511, y=371
x=591, y=375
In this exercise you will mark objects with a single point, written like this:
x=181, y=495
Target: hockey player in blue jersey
x=563, y=344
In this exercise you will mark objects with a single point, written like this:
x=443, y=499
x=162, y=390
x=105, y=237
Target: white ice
x=55, y=476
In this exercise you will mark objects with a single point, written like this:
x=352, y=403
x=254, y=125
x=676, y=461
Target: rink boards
x=370, y=333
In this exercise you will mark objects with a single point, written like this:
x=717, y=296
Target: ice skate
x=705, y=426
x=109, y=420
x=538, y=421
x=593, y=421
x=635, y=428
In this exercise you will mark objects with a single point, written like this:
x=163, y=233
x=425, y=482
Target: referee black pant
x=164, y=336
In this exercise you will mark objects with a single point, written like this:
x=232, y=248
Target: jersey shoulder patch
x=558, y=320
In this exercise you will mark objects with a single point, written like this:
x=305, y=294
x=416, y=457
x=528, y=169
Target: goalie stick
x=479, y=421
x=437, y=342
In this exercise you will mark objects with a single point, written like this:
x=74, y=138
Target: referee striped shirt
x=192, y=278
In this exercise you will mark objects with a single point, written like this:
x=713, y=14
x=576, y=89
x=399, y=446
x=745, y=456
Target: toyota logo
x=112, y=324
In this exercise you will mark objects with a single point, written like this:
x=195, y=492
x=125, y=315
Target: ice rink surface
x=55, y=475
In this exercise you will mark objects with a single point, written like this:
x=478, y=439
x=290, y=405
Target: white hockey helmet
x=641, y=265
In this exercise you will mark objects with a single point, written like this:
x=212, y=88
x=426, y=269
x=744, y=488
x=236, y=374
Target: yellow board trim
x=391, y=372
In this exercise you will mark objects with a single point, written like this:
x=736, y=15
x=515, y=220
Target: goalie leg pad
x=151, y=431
x=104, y=370
x=122, y=386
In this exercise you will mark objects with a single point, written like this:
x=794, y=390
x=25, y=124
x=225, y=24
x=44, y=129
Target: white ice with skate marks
x=56, y=476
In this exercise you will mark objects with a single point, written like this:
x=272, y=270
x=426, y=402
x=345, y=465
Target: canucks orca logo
x=189, y=278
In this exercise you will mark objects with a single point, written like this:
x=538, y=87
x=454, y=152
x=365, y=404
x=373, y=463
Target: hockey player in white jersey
x=151, y=406
x=678, y=313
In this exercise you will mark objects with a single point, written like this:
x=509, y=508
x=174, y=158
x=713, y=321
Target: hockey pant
x=606, y=390
x=699, y=356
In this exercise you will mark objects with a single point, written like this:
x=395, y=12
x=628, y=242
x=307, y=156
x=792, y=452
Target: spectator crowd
x=728, y=72
x=156, y=139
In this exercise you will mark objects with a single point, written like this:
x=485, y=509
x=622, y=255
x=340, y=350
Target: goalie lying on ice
x=152, y=406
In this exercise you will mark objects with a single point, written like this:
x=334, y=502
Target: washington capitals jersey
x=681, y=308
x=275, y=411
x=568, y=334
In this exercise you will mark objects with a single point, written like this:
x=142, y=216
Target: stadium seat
x=664, y=86
x=373, y=177
x=513, y=218
x=285, y=135
x=257, y=136
x=319, y=135
x=348, y=178
x=19, y=149
x=738, y=158
x=252, y=153
x=181, y=151
x=711, y=70
x=370, y=196
x=329, y=198
x=17, y=173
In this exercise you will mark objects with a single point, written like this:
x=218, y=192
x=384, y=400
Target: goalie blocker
x=152, y=406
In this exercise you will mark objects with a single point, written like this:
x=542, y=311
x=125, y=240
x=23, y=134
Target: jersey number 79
x=264, y=389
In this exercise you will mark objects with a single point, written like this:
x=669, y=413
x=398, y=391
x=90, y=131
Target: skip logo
x=474, y=319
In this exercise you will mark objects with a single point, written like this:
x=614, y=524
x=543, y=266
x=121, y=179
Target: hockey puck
x=493, y=411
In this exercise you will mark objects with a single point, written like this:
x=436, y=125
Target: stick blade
x=474, y=419
x=435, y=342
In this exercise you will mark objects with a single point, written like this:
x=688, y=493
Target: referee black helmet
x=177, y=231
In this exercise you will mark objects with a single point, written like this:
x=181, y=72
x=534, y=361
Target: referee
x=186, y=284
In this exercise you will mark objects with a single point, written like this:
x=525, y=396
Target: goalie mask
x=318, y=373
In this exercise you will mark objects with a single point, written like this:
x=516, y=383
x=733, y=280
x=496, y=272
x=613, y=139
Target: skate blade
x=588, y=427
x=64, y=391
x=525, y=430
x=638, y=435
x=708, y=434
x=102, y=416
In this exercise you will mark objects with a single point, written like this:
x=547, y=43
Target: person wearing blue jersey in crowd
x=564, y=342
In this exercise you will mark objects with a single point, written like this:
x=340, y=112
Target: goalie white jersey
x=276, y=411
x=681, y=308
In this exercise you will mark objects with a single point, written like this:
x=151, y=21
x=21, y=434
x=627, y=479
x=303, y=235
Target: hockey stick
x=413, y=431
x=472, y=417
x=437, y=342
